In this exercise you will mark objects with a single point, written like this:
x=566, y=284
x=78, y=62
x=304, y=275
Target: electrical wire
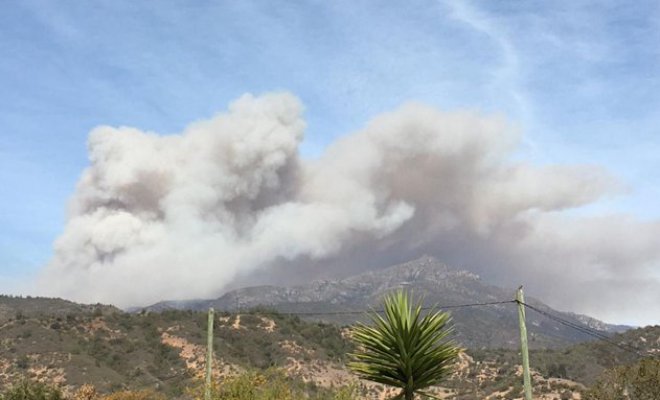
x=578, y=327
x=425, y=308
x=581, y=328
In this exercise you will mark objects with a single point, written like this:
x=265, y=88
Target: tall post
x=209, y=356
x=520, y=299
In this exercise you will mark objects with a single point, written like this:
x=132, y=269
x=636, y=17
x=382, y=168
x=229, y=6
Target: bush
x=28, y=390
x=23, y=362
x=134, y=395
x=271, y=384
x=639, y=381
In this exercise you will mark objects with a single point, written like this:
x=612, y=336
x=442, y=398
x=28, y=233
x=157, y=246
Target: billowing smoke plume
x=183, y=216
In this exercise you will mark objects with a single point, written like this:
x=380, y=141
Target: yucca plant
x=404, y=348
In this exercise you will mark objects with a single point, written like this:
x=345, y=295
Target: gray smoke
x=186, y=216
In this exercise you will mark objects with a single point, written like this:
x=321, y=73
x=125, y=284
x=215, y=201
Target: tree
x=404, y=348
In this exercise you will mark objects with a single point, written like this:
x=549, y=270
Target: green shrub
x=23, y=362
x=29, y=390
x=271, y=384
x=640, y=381
x=134, y=395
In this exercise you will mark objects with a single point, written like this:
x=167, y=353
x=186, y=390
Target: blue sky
x=580, y=78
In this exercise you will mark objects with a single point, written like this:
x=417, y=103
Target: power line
x=583, y=329
x=578, y=327
x=567, y=322
x=354, y=312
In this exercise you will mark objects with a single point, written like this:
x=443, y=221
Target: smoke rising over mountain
x=185, y=216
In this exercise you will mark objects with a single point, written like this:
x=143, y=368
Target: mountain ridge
x=439, y=284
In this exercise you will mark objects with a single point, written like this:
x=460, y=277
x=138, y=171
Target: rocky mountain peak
x=425, y=269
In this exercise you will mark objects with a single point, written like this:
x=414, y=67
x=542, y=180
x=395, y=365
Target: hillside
x=113, y=349
x=494, y=326
x=11, y=306
x=585, y=361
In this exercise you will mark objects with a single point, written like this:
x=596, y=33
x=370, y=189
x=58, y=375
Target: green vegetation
x=583, y=362
x=639, y=381
x=122, y=354
x=117, y=350
x=270, y=384
x=27, y=390
x=404, y=349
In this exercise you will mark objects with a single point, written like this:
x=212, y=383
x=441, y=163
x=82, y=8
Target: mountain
x=491, y=326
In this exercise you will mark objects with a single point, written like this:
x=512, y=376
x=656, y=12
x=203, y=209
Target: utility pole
x=520, y=299
x=209, y=356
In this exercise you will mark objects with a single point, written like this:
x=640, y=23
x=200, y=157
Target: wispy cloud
x=507, y=71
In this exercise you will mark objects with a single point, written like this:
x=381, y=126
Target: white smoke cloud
x=183, y=216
